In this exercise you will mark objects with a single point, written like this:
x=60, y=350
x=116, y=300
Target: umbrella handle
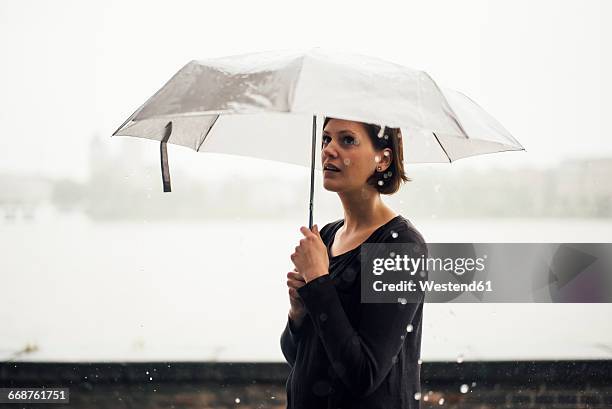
x=164, y=157
x=312, y=159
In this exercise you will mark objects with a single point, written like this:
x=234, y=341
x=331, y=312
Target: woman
x=344, y=353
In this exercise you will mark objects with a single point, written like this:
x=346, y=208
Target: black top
x=348, y=354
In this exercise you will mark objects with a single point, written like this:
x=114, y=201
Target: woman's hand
x=310, y=257
x=297, y=310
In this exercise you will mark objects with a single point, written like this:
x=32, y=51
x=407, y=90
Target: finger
x=306, y=232
x=295, y=283
x=294, y=294
x=295, y=276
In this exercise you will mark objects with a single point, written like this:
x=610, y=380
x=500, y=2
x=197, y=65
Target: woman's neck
x=363, y=210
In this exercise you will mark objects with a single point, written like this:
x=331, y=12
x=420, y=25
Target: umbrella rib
x=441, y=146
x=207, y=133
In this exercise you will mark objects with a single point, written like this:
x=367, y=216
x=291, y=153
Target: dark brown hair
x=393, y=177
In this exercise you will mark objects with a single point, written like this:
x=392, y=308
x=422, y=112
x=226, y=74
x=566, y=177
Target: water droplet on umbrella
x=417, y=396
x=464, y=388
x=409, y=328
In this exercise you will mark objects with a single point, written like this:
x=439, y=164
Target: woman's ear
x=385, y=160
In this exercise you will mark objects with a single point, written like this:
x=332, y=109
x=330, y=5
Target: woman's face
x=347, y=146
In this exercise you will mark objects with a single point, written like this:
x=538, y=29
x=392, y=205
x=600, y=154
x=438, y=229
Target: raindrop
x=272, y=397
x=154, y=390
x=147, y=372
x=237, y=400
x=323, y=317
x=441, y=401
x=394, y=360
x=347, y=162
x=473, y=384
x=464, y=388
x=403, y=336
x=150, y=378
x=392, y=254
x=409, y=328
x=417, y=396
x=380, y=183
x=394, y=234
x=460, y=358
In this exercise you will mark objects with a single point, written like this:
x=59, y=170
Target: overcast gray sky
x=75, y=70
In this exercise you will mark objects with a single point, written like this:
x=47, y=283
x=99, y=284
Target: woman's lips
x=329, y=173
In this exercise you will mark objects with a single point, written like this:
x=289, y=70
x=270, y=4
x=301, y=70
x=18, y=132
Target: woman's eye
x=349, y=140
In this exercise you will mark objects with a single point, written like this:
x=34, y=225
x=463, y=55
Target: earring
x=379, y=168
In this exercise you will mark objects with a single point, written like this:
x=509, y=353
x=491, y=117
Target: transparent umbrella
x=268, y=104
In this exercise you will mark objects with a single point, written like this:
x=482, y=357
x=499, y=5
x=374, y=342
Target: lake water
x=85, y=291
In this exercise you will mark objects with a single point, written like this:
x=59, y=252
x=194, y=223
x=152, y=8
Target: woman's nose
x=329, y=150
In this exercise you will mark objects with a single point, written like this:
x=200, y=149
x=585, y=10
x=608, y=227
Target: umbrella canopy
x=266, y=105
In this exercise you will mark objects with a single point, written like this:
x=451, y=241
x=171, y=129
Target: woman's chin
x=331, y=186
